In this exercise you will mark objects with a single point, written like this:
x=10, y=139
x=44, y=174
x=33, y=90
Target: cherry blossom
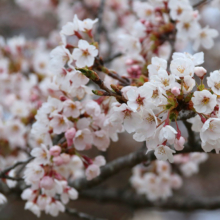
x=204, y=101
x=84, y=54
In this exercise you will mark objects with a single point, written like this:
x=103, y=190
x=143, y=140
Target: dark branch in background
x=127, y=161
x=201, y=3
x=100, y=15
x=191, y=134
x=3, y=173
x=139, y=201
x=185, y=114
x=172, y=42
x=74, y=212
x=110, y=59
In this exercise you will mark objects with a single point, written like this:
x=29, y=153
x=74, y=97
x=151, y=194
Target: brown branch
x=191, y=134
x=74, y=212
x=186, y=114
x=95, y=78
x=99, y=65
x=134, y=200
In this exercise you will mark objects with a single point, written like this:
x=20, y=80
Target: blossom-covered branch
x=51, y=107
x=127, y=161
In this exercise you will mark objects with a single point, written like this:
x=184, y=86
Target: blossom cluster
x=158, y=180
x=58, y=105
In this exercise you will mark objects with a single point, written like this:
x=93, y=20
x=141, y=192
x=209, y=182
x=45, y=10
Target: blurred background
x=17, y=21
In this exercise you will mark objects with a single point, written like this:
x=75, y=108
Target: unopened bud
x=55, y=151
x=179, y=143
x=175, y=91
x=58, y=160
x=63, y=98
x=200, y=71
x=47, y=182
x=98, y=92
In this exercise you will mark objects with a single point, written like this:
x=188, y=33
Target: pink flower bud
x=55, y=151
x=65, y=157
x=175, y=91
x=63, y=98
x=70, y=134
x=200, y=71
x=179, y=143
x=58, y=160
x=47, y=182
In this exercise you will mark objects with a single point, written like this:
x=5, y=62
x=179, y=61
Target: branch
x=3, y=173
x=201, y=3
x=99, y=65
x=108, y=60
x=186, y=114
x=139, y=201
x=191, y=134
x=121, y=163
x=100, y=15
x=95, y=78
x=74, y=212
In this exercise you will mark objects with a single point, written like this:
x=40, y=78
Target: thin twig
x=74, y=212
x=201, y=3
x=99, y=65
x=3, y=173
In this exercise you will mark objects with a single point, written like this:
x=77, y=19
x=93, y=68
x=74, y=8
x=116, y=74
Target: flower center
x=139, y=100
x=166, y=82
x=85, y=52
x=186, y=26
x=148, y=12
x=150, y=119
x=203, y=35
x=179, y=11
x=211, y=126
x=185, y=86
x=127, y=113
x=155, y=94
x=181, y=69
x=217, y=85
x=205, y=100
x=161, y=150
